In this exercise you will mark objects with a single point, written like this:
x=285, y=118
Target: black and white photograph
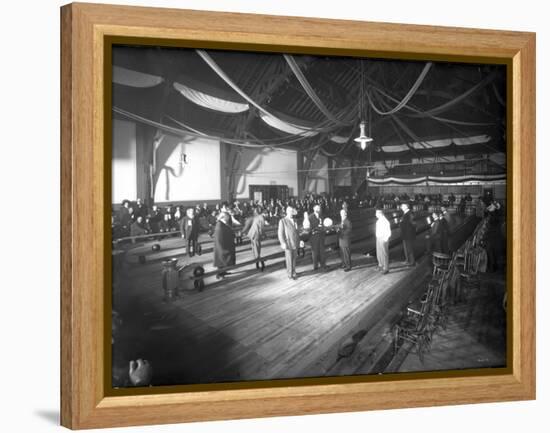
x=284, y=216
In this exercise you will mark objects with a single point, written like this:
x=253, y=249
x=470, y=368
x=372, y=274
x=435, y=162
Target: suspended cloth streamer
x=339, y=139
x=181, y=132
x=471, y=140
x=433, y=143
x=420, y=112
x=467, y=177
x=447, y=105
x=426, y=144
x=344, y=145
x=214, y=66
x=310, y=92
x=395, y=148
x=399, y=180
x=131, y=78
x=212, y=102
x=449, y=124
x=286, y=127
x=465, y=141
x=426, y=114
x=412, y=135
x=243, y=143
x=193, y=132
x=407, y=97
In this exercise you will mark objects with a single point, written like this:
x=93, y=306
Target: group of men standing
x=290, y=240
x=224, y=240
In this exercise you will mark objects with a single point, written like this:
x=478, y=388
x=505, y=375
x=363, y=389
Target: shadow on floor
x=49, y=415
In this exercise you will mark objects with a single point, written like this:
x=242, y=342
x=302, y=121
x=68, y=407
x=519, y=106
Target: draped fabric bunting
x=395, y=148
x=267, y=115
x=446, y=106
x=407, y=97
x=209, y=101
x=226, y=140
x=128, y=77
x=339, y=139
x=468, y=177
x=182, y=132
x=410, y=133
x=422, y=113
x=437, y=143
x=310, y=92
x=189, y=131
x=436, y=179
x=344, y=142
x=281, y=125
x=243, y=143
x=465, y=141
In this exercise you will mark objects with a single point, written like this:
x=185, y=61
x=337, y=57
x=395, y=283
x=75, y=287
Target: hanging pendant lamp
x=363, y=138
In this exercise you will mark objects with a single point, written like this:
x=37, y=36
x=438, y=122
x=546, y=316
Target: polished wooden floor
x=256, y=325
x=474, y=337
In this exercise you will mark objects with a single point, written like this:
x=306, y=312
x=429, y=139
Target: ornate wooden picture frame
x=88, y=32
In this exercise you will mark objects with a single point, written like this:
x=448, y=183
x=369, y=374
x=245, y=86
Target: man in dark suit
x=155, y=217
x=317, y=238
x=140, y=208
x=290, y=241
x=253, y=228
x=443, y=235
x=189, y=227
x=224, y=244
x=344, y=240
x=138, y=227
x=408, y=234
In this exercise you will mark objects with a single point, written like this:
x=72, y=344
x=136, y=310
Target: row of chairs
x=429, y=314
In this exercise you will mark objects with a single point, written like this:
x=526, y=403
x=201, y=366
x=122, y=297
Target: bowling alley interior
x=280, y=216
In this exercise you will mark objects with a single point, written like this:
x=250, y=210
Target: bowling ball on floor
x=156, y=247
x=198, y=271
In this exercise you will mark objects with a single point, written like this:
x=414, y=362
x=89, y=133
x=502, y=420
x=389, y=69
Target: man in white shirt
x=383, y=233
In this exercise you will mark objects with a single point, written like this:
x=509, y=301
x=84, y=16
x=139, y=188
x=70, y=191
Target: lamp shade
x=363, y=139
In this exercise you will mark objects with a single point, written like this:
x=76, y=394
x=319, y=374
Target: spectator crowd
x=136, y=218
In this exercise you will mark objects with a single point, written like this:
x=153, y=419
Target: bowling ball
x=198, y=271
x=156, y=247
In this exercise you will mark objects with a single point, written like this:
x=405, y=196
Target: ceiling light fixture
x=363, y=138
